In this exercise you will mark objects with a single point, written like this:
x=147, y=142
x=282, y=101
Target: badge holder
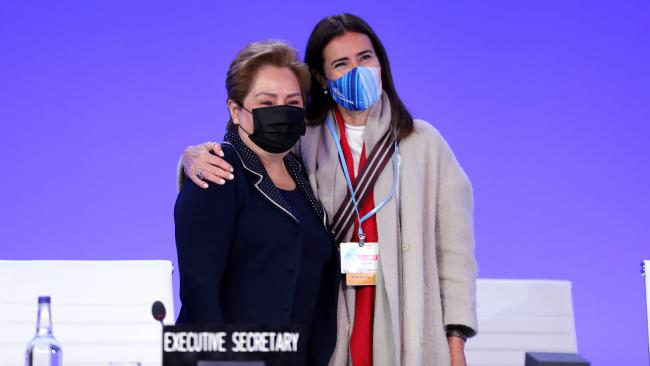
x=359, y=262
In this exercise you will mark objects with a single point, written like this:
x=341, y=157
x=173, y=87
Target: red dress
x=364, y=308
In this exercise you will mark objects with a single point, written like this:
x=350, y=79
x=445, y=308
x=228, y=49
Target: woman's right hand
x=205, y=160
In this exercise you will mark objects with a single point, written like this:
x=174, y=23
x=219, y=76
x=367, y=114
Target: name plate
x=194, y=345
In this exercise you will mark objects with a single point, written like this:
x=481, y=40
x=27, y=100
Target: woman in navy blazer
x=257, y=250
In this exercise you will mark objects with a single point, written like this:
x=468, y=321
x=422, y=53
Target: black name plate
x=260, y=345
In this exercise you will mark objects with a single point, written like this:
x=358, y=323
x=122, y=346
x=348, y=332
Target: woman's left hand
x=457, y=351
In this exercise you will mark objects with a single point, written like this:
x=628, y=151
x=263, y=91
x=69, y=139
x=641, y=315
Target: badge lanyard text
x=362, y=236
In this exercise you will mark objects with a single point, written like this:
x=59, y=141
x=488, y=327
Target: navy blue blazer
x=238, y=255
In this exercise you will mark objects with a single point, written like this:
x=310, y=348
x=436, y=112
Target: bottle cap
x=43, y=299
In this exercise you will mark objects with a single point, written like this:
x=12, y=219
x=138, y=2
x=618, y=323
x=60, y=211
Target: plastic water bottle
x=44, y=349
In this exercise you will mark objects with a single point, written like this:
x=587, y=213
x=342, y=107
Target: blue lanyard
x=362, y=236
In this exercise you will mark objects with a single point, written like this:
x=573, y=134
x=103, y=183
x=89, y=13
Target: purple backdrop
x=546, y=104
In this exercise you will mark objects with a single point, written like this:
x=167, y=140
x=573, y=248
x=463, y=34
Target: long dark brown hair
x=319, y=102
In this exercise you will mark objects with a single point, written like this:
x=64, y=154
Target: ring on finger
x=199, y=173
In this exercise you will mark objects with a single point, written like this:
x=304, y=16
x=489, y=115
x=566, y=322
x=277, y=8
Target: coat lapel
x=388, y=286
x=379, y=121
x=298, y=174
x=265, y=185
x=332, y=187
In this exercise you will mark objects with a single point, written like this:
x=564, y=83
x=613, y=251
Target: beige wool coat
x=427, y=269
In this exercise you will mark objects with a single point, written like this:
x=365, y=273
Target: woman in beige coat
x=423, y=306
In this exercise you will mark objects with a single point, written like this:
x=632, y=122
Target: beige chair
x=101, y=310
x=519, y=316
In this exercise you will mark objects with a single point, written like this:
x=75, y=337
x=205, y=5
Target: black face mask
x=277, y=128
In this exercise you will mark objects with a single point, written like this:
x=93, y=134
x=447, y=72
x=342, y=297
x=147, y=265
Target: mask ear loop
x=239, y=124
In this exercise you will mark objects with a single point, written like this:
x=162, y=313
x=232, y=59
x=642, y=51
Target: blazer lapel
x=253, y=165
x=265, y=185
x=298, y=175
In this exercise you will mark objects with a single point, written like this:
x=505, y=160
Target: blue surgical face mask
x=358, y=89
